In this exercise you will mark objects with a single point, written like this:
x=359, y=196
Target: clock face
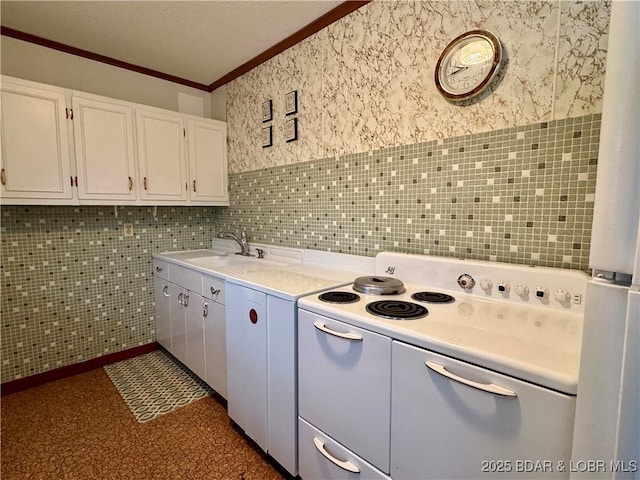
x=468, y=64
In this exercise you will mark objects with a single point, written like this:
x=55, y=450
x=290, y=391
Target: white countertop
x=286, y=273
x=538, y=345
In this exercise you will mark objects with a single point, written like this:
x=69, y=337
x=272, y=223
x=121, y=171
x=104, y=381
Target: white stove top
x=534, y=338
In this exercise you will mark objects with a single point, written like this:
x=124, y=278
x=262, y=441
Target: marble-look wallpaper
x=366, y=82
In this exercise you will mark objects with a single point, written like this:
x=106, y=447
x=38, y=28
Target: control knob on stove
x=504, y=287
x=486, y=284
x=466, y=281
x=522, y=290
x=542, y=293
x=562, y=296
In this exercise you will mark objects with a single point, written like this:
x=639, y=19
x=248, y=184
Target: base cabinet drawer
x=321, y=458
x=185, y=277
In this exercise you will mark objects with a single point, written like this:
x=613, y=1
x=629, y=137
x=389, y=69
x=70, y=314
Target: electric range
x=522, y=321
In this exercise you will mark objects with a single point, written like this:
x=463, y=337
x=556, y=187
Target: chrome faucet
x=242, y=241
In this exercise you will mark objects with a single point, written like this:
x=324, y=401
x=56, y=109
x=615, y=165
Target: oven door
x=451, y=419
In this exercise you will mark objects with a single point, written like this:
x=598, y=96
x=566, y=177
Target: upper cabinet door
x=161, y=155
x=36, y=163
x=105, y=151
x=208, y=161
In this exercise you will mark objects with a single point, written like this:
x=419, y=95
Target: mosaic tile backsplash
x=74, y=288
x=520, y=195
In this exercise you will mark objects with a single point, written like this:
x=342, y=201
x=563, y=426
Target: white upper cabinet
x=161, y=155
x=36, y=160
x=105, y=150
x=208, y=161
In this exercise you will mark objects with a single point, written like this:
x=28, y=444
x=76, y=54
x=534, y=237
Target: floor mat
x=155, y=384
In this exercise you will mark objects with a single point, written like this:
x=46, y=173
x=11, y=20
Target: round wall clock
x=468, y=65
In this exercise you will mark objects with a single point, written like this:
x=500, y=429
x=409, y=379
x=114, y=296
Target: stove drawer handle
x=344, y=464
x=349, y=336
x=485, y=387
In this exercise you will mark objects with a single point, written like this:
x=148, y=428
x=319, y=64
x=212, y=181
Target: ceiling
x=203, y=42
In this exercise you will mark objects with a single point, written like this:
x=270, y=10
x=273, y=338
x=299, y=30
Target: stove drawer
x=344, y=378
x=451, y=419
x=321, y=457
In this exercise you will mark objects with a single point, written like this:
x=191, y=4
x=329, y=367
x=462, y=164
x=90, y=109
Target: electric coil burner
x=397, y=310
x=339, y=297
x=432, y=297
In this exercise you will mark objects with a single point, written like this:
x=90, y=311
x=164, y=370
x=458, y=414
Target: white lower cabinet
x=261, y=372
x=163, y=312
x=178, y=323
x=215, y=337
x=344, y=376
x=192, y=326
x=247, y=361
x=456, y=420
x=323, y=458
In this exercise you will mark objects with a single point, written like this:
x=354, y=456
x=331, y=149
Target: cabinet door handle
x=144, y=182
x=343, y=464
x=165, y=291
x=3, y=177
x=205, y=309
x=349, y=336
x=130, y=184
x=158, y=269
x=485, y=387
x=215, y=291
x=194, y=185
x=185, y=300
x=180, y=295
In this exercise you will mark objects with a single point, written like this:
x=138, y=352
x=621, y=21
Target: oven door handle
x=344, y=464
x=349, y=336
x=485, y=387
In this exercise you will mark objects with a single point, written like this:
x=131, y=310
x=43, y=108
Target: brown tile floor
x=80, y=428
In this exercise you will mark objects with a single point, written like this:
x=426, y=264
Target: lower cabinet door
x=451, y=419
x=254, y=329
x=247, y=361
x=163, y=312
x=178, y=326
x=215, y=344
x=321, y=458
x=195, y=333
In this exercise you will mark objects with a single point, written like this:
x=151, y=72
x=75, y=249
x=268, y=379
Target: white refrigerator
x=606, y=435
